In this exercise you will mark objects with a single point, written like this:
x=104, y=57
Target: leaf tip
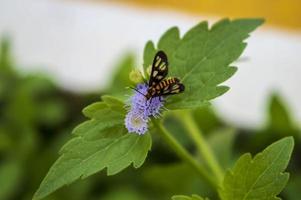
x=253, y=23
x=174, y=29
x=38, y=195
x=289, y=140
x=149, y=45
x=260, y=20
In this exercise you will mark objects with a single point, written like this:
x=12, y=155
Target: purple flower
x=141, y=109
x=135, y=123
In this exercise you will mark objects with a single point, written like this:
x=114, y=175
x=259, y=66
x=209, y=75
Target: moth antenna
x=137, y=91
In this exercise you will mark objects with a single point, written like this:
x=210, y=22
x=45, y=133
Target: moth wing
x=174, y=88
x=159, y=68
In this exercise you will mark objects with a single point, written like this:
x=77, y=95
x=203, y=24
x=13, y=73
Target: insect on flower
x=158, y=85
x=149, y=97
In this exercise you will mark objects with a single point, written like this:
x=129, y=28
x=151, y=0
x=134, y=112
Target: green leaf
x=8, y=75
x=101, y=142
x=280, y=123
x=280, y=119
x=222, y=142
x=120, y=79
x=6, y=63
x=260, y=178
x=202, y=58
x=163, y=181
x=183, y=197
x=148, y=56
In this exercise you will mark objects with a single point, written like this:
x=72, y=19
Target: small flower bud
x=136, y=76
x=149, y=70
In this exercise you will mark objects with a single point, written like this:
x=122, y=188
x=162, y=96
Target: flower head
x=141, y=109
x=135, y=123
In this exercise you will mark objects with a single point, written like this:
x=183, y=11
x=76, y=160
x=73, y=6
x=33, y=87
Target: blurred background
x=57, y=56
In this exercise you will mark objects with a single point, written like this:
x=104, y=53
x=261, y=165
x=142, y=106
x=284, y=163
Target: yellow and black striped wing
x=159, y=69
x=173, y=88
x=167, y=87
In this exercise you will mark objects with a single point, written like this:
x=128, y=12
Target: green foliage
x=222, y=143
x=292, y=190
x=202, y=58
x=148, y=57
x=280, y=119
x=261, y=177
x=7, y=74
x=6, y=60
x=120, y=80
x=101, y=142
x=193, y=197
x=29, y=108
x=279, y=123
x=278, y=114
x=10, y=174
x=167, y=179
x=123, y=193
x=206, y=119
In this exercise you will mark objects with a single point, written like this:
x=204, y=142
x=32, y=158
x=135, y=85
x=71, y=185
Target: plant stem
x=183, y=154
x=202, y=146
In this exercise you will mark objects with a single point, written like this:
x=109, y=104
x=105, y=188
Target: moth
x=158, y=84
